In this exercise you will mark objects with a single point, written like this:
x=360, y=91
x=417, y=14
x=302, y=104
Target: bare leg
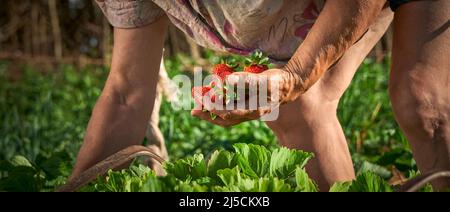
x=419, y=84
x=154, y=135
x=125, y=105
x=311, y=124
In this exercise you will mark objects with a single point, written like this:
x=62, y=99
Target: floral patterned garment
x=276, y=27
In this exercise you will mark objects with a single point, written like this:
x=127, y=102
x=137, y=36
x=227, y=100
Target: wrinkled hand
x=264, y=93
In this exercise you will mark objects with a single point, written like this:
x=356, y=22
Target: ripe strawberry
x=225, y=68
x=257, y=63
x=222, y=70
x=199, y=92
x=256, y=69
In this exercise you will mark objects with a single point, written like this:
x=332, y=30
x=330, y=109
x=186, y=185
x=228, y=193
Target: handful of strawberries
x=256, y=63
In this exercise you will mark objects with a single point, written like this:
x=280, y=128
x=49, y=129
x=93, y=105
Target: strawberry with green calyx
x=256, y=63
x=221, y=71
x=199, y=92
x=226, y=93
x=225, y=68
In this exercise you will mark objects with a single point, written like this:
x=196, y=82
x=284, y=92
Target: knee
x=418, y=104
x=305, y=112
x=317, y=107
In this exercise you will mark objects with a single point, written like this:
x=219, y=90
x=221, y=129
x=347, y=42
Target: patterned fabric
x=276, y=27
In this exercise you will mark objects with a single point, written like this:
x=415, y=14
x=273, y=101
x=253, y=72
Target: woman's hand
x=250, y=96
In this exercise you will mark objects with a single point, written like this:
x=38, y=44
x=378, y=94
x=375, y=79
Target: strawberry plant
x=249, y=167
x=44, y=118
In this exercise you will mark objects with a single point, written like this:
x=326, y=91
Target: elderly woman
x=320, y=45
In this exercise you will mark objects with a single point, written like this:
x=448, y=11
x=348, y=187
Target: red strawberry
x=199, y=92
x=257, y=63
x=225, y=68
x=222, y=70
x=256, y=69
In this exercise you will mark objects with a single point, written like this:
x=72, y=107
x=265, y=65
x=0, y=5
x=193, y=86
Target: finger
x=248, y=109
x=196, y=111
x=231, y=114
x=235, y=78
x=217, y=121
x=247, y=85
x=241, y=114
x=242, y=79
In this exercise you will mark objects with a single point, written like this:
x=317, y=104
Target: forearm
x=120, y=116
x=340, y=24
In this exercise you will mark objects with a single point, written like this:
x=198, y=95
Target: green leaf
x=58, y=164
x=272, y=184
x=117, y=181
x=140, y=170
x=264, y=61
x=283, y=162
x=190, y=187
x=401, y=158
x=340, y=187
x=136, y=178
x=188, y=168
x=152, y=184
x=428, y=188
x=304, y=183
x=229, y=176
x=253, y=159
x=19, y=160
x=235, y=182
x=374, y=168
x=220, y=160
x=369, y=182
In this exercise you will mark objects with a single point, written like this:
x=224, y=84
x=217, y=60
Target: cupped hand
x=250, y=96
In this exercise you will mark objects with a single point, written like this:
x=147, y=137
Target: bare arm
x=125, y=105
x=340, y=24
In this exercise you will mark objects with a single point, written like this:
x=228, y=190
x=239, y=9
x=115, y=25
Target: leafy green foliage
x=44, y=116
x=427, y=188
x=365, y=182
x=45, y=113
x=220, y=160
x=136, y=178
x=369, y=182
x=191, y=168
x=19, y=174
x=341, y=187
x=235, y=182
x=304, y=183
x=366, y=166
x=284, y=162
x=252, y=159
x=225, y=171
